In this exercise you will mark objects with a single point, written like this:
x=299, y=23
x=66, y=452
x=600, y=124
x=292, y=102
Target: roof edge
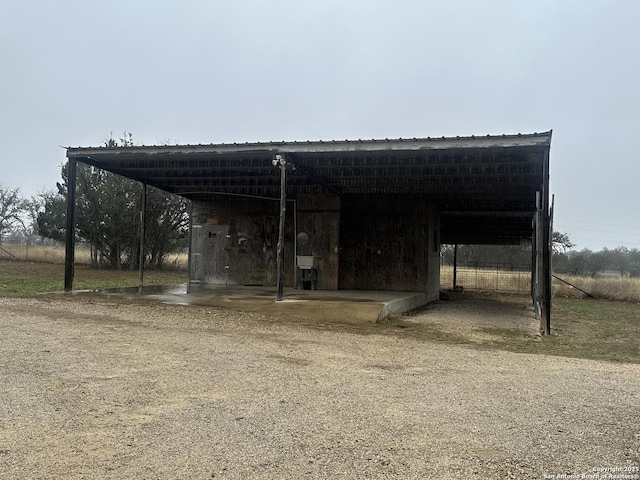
x=429, y=143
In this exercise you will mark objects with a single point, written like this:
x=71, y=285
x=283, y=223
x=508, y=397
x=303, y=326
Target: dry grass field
x=55, y=254
x=42, y=254
x=624, y=289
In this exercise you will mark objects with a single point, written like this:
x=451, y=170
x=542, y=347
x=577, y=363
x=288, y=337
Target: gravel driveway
x=95, y=388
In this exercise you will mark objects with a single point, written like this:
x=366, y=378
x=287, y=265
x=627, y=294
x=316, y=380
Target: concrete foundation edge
x=403, y=305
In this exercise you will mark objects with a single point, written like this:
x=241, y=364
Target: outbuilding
x=351, y=214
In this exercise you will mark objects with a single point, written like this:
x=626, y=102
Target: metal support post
x=455, y=266
x=545, y=321
x=143, y=215
x=70, y=233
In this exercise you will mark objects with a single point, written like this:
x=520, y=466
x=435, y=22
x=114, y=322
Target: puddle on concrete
x=174, y=289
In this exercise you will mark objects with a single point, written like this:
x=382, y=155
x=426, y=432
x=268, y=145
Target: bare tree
x=29, y=227
x=11, y=207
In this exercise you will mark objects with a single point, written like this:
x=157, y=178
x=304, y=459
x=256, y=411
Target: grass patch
x=580, y=328
x=28, y=278
x=593, y=329
x=597, y=329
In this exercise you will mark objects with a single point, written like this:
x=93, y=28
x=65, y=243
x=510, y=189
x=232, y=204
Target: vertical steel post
x=455, y=266
x=546, y=250
x=280, y=161
x=70, y=233
x=143, y=216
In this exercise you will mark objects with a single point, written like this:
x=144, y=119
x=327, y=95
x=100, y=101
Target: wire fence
x=491, y=277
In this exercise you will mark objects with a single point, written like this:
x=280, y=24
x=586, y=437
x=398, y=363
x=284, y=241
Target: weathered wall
x=433, y=256
x=319, y=217
x=361, y=242
x=234, y=240
x=388, y=244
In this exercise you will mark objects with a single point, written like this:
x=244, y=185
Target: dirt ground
x=96, y=387
x=470, y=312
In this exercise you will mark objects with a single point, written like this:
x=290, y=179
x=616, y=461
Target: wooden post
x=280, y=161
x=536, y=270
x=70, y=232
x=143, y=216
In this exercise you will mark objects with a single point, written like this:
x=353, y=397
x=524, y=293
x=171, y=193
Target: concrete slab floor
x=342, y=306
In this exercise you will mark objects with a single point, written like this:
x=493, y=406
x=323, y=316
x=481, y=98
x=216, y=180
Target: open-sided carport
x=373, y=212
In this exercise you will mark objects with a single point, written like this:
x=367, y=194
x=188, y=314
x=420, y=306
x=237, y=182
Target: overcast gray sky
x=218, y=71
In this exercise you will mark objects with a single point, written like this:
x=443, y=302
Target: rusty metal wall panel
x=385, y=244
x=234, y=241
x=319, y=218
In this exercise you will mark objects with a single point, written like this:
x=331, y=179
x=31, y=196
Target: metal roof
x=484, y=187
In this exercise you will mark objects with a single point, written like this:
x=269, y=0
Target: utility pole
x=280, y=161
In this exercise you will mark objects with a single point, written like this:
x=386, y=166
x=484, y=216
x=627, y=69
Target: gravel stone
x=95, y=388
